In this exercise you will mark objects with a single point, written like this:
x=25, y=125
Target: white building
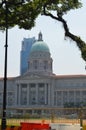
x=39, y=87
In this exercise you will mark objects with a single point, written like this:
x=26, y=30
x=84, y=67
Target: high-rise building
x=24, y=54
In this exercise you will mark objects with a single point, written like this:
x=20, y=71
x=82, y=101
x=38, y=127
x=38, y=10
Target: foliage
x=24, y=15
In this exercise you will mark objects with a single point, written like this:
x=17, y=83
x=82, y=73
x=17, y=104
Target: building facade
x=39, y=87
x=24, y=54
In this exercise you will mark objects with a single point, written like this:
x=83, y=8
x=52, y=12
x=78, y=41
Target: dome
x=40, y=61
x=40, y=46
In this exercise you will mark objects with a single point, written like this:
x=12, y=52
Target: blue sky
x=66, y=56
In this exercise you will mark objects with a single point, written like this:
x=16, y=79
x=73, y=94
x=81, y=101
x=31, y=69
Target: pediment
x=32, y=76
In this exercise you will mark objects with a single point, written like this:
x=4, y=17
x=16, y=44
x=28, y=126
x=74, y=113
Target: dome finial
x=40, y=36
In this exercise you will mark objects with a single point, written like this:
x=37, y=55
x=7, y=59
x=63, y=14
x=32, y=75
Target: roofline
x=8, y=78
x=54, y=75
x=71, y=76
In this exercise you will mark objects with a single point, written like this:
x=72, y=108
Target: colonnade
x=33, y=93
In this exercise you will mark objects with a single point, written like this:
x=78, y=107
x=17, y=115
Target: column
x=62, y=102
x=74, y=96
x=49, y=95
x=68, y=96
x=19, y=98
x=36, y=94
x=28, y=94
x=80, y=96
x=16, y=94
x=46, y=93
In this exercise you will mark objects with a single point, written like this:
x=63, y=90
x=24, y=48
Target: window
x=23, y=94
x=32, y=95
x=35, y=64
x=41, y=93
x=45, y=65
x=10, y=98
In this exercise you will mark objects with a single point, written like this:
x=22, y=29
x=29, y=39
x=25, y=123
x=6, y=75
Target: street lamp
x=4, y=4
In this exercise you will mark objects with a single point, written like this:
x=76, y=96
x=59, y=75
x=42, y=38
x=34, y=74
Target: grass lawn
x=16, y=122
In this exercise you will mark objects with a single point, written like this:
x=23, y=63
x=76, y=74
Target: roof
x=9, y=78
x=40, y=46
x=71, y=76
x=55, y=76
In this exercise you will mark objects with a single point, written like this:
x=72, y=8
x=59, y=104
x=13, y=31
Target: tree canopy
x=24, y=15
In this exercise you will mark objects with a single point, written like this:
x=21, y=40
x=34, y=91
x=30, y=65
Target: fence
x=47, y=115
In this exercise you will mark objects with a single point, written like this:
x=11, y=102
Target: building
x=39, y=87
x=24, y=54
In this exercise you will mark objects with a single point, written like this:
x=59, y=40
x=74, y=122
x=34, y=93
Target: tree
x=25, y=15
x=61, y=7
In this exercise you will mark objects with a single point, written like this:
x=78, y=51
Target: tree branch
x=79, y=42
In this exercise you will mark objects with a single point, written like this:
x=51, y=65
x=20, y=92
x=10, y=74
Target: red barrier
x=34, y=126
x=8, y=128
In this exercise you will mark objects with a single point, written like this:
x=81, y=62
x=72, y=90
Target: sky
x=66, y=56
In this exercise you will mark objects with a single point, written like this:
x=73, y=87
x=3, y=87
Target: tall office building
x=24, y=54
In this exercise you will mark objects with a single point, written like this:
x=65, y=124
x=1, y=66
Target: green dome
x=40, y=46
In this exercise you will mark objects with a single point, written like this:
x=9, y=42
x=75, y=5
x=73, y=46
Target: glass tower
x=24, y=54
